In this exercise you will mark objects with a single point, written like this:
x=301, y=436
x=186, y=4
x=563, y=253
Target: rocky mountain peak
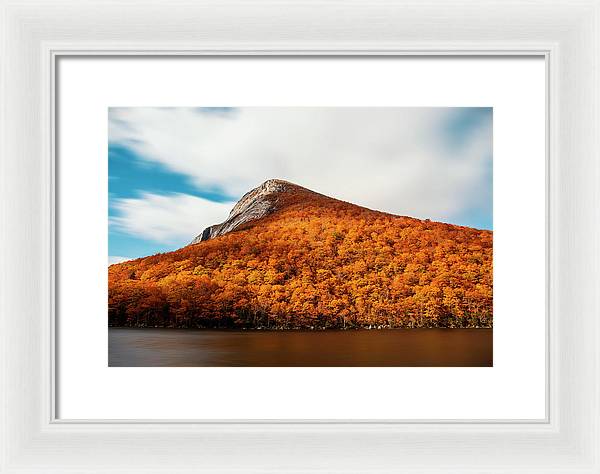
x=253, y=205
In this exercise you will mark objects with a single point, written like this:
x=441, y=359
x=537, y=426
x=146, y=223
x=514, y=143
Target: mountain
x=253, y=205
x=288, y=257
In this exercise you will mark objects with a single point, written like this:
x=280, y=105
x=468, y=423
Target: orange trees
x=315, y=263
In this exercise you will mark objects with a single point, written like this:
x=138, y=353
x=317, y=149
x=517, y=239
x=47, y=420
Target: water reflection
x=381, y=348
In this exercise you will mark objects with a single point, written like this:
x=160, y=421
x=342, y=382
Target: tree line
x=318, y=265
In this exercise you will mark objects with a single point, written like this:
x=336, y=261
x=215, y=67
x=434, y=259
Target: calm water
x=376, y=348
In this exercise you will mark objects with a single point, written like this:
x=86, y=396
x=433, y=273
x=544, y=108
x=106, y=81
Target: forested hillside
x=312, y=262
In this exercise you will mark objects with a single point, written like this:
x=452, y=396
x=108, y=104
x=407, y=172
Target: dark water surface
x=128, y=347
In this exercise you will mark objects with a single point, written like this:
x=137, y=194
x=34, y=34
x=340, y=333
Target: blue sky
x=174, y=171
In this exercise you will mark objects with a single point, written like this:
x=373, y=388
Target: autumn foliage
x=315, y=262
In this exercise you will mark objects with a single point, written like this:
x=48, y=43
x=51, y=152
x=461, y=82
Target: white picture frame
x=34, y=35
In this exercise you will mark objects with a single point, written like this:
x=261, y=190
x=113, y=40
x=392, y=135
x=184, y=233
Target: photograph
x=300, y=237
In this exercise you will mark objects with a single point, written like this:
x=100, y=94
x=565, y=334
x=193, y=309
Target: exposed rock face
x=253, y=205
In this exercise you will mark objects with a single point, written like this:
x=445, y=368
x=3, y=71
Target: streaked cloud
x=171, y=219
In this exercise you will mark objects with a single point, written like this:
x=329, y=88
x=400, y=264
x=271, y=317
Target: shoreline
x=293, y=329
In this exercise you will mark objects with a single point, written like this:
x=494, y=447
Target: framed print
x=268, y=312
x=297, y=237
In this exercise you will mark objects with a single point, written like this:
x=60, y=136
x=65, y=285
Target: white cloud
x=112, y=259
x=171, y=219
x=392, y=159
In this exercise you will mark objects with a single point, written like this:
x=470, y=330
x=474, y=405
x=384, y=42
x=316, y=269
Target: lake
x=154, y=347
